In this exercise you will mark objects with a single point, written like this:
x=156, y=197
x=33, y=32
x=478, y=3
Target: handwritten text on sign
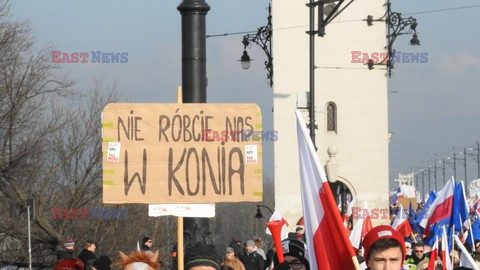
x=159, y=153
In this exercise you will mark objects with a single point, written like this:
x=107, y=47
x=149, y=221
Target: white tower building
x=350, y=103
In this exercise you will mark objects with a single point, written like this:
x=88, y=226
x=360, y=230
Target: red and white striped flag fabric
x=401, y=223
x=361, y=228
x=446, y=262
x=441, y=207
x=433, y=256
x=327, y=241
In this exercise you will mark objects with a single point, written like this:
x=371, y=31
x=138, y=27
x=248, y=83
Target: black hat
x=202, y=255
x=145, y=239
x=102, y=263
x=295, y=248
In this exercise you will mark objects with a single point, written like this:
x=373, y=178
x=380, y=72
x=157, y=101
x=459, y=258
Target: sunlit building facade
x=351, y=107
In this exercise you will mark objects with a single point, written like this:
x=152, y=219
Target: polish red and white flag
x=327, y=242
x=401, y=223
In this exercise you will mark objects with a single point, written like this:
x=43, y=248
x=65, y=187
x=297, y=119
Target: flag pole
x=413, y=237
x=471, y=235
x=453, y=233
x=180, y=242
x=453, y=243
x=355, y=263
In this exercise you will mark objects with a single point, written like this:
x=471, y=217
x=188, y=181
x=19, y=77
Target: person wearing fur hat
x=67, y=252
x=384, y=248
x=295, y=255
x=231, y=260
x=251, y=259
x=202, y=257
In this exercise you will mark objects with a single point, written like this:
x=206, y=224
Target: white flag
x=277, y=216
x=465, y=258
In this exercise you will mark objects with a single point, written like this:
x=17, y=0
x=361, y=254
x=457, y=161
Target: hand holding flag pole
x=413, y=237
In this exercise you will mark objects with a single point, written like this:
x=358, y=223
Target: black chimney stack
x=194, y=53
x=194, y=89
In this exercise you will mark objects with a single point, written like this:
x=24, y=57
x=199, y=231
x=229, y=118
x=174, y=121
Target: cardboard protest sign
x=182, y=153
x=474, y=186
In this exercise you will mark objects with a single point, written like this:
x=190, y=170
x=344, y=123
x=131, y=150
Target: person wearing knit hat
x=69, y=247
x=384, y=248
x=202, y=257
x=69, y=243
x=295, y=255
x=251, y=259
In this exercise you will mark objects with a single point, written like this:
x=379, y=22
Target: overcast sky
x=433, y=107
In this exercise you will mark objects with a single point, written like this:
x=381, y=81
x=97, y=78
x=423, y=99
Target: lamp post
x=415, y=181
x=194, y=90
x=259, y=213
x=30, y=215
x=423, y=183
x=395, y=26
x=454, y=163
x=465, y=162
x=477, y=156
x=263, y=38
x=429, y=182
x=435, y=176
x=327, y=11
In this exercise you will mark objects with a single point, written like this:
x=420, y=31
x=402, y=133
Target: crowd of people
x=383, y=246
x=421, y=252
x=239, y=255
x=86, y=259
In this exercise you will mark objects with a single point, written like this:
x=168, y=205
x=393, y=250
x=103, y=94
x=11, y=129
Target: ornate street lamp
x=259, y=213
x=395, y=26
x=263, y=38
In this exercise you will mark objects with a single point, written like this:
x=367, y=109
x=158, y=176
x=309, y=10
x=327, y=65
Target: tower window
x=331, y=117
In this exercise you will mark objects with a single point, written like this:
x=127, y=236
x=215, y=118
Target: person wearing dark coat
x=270, y=254
x=251, y=259
x=102, y=263
x=146, y=244
x=87, y=255
x=67, y=252
x=237, y=246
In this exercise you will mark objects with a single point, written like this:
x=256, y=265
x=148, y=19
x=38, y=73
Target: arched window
x=331, y=117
